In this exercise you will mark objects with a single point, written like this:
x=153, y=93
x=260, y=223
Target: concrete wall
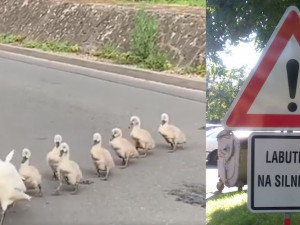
x=181, y=29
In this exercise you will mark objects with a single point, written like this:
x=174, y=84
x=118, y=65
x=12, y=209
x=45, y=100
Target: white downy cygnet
x=68, y=171
x=123, y=148
x=172, y=134
x=53, y=157
x=12, y=187
x=101, y=157
x=142, y=138
x=30, y=174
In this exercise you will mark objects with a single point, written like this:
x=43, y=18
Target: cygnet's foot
x=56, y=193
x=75, y=190
x=143, y=155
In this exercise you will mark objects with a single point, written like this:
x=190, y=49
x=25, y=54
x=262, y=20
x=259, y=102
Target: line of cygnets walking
x=14, y=184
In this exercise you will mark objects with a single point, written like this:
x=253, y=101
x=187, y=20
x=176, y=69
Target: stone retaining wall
x=181, y=31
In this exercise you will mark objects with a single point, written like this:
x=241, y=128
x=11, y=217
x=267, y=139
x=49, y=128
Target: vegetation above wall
x=201, y=3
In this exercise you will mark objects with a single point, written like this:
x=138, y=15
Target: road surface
x=39, y=102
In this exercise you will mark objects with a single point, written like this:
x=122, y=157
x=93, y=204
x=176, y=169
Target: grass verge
x=155, y=61
x=192, y=70
x=10, y=38
x=231, y=209
x=46, y=46
x=52, y=46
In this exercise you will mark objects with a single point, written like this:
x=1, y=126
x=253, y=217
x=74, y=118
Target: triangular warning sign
x=270, y=97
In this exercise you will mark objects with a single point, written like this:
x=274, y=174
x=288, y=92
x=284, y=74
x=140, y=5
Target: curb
x=189, y=83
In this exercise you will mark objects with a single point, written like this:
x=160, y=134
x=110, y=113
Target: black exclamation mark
x=292, y=68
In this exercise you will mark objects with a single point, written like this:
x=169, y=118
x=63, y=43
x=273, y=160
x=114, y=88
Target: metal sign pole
x=287, y=219
x=287, y=216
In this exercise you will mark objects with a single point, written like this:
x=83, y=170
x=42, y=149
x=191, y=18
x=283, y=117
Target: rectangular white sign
x=274, y=172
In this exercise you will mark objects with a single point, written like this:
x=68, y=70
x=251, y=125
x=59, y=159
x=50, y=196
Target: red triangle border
x=238, y=117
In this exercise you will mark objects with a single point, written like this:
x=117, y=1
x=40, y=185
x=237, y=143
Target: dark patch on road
x=193, y=194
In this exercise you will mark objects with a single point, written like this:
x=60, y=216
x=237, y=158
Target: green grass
x=46, y=46
x=107, y=51
x=10, y=38
x=52, y=46
x=144, y=51
x=231, y=209
x=110, y=51
x=156, y=61
x=194, y=70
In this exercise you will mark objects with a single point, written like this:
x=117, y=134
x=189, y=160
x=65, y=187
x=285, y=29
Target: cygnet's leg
x=98, y=172
x=2, y=216
x=75, y=188
x=143, y=147
x=126, y=163
x=149, y=151
x=143, y=155
x=173, y=146
x=54, y=177
x=40, y=194
x=106, y=176
x=57, y=191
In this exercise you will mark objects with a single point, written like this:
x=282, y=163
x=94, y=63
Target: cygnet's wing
x=9, y=156
x=9, y=173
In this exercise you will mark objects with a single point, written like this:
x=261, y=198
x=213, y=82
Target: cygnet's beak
x=24, y=159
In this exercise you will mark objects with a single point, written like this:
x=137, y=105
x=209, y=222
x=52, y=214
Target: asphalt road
x=38, y=102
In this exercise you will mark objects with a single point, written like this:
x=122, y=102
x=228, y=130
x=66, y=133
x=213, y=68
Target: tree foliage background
x=222, y=87
x=236, y=20
x=232, y=22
